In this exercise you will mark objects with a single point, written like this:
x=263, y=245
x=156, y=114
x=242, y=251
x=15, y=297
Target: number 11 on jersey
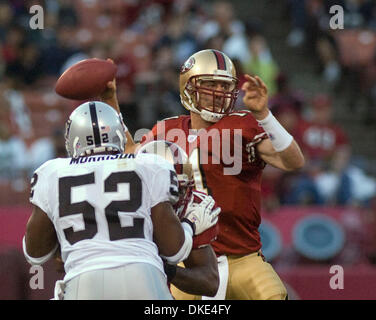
x=198, y=175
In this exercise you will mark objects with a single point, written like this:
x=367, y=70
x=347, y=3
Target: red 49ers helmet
x=208, y=65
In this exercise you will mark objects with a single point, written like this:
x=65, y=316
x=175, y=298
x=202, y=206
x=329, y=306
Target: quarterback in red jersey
x=240, y=216
x=228, y=151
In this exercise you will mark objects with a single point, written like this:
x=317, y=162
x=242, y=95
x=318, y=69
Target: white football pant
x=135, y=281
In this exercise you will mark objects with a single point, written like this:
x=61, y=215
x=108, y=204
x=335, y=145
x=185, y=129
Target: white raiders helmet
x=94, y=127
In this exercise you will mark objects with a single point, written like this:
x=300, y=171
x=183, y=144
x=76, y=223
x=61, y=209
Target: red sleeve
x=254, y=135
x=206, y=237
x=150, y=136
x=255, y=132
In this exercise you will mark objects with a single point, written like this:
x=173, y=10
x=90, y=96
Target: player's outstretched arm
x=289, y=159
x=173, y=238
x=109, y=96
x=200, y=275
x=280, y=149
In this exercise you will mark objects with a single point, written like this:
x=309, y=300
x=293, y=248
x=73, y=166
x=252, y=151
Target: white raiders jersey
x=101, y=207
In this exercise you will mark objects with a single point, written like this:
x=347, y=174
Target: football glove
x=201, y=212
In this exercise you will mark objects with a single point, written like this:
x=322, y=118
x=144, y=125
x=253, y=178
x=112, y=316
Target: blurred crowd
x=149, y=41
x=345, y=57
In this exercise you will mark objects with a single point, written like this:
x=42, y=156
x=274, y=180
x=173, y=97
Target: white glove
x=200, y=214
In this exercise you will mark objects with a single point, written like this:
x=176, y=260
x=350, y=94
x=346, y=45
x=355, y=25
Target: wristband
x=190, y=223
x=185, y=249
x=277, y=134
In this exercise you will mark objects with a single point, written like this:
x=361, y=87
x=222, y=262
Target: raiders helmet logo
x=188, y=65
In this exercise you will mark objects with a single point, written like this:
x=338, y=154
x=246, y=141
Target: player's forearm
x=113, y=102
x=288, y=159
x=200, y=275
x=197, y=281
x=283, y=152
x=292, y=157
x=110, y=97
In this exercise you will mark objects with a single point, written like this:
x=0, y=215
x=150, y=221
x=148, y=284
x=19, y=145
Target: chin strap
x=210, y=116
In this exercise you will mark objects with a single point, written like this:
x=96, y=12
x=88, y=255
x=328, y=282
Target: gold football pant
x=250, y=278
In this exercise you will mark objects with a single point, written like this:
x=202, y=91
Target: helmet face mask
x=208, y=66
x=217, y=101
x=94, y=127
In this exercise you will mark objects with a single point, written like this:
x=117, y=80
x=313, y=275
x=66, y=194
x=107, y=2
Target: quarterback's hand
x=255, y=96
x=200, y=212
x=109, y=94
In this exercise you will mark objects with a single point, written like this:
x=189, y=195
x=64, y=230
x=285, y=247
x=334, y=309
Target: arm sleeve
x=254, y=135
x=255, y=132
x=253, y=156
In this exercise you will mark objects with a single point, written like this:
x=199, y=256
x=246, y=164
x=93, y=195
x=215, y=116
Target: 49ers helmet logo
x=188, y=65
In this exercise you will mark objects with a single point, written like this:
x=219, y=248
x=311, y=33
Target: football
x=85, y=79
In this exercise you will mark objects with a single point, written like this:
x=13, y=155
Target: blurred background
x=322, y=88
